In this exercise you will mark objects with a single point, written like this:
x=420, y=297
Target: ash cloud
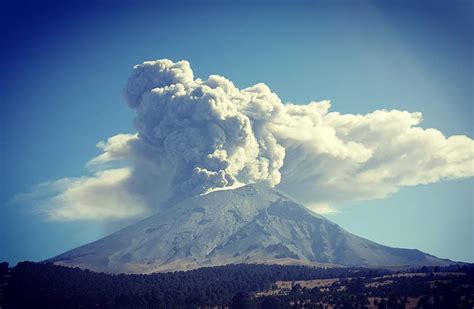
x=210, y=133
x=194, y=136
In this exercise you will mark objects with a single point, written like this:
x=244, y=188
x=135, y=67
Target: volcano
x=250, y=224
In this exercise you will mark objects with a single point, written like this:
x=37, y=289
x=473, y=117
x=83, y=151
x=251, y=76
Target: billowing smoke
x=210, y=133
x=194, y=136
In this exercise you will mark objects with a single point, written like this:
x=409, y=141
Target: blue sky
x=64, y=69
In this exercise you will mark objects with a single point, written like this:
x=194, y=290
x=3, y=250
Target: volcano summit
x=250, y=224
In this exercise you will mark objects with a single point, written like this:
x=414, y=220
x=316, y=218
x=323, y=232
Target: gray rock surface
x=251, y=224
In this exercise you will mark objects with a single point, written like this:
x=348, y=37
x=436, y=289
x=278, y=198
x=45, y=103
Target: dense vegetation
x=43, y=285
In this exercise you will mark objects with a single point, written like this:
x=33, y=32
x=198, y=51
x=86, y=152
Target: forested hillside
x=44, y=285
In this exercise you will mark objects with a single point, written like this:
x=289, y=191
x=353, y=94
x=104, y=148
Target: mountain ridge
x=250, y=224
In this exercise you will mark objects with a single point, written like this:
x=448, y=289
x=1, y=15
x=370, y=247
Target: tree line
x=45, y=285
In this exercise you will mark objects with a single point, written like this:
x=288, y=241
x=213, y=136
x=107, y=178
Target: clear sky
x=64, y=68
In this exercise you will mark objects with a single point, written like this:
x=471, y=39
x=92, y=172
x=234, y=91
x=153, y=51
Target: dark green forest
x=44, y=285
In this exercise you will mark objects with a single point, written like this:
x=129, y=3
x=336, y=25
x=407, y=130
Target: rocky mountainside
x=251, y=224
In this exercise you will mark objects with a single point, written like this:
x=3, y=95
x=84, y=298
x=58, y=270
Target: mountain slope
x=251, y=224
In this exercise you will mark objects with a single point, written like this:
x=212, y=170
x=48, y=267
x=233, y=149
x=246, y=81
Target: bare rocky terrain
x=250, y=224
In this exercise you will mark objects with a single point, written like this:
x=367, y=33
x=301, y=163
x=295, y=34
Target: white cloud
x=194, y=136
x=369, y=156
x=117, y=147
x=322, y=208
x=103, y=196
